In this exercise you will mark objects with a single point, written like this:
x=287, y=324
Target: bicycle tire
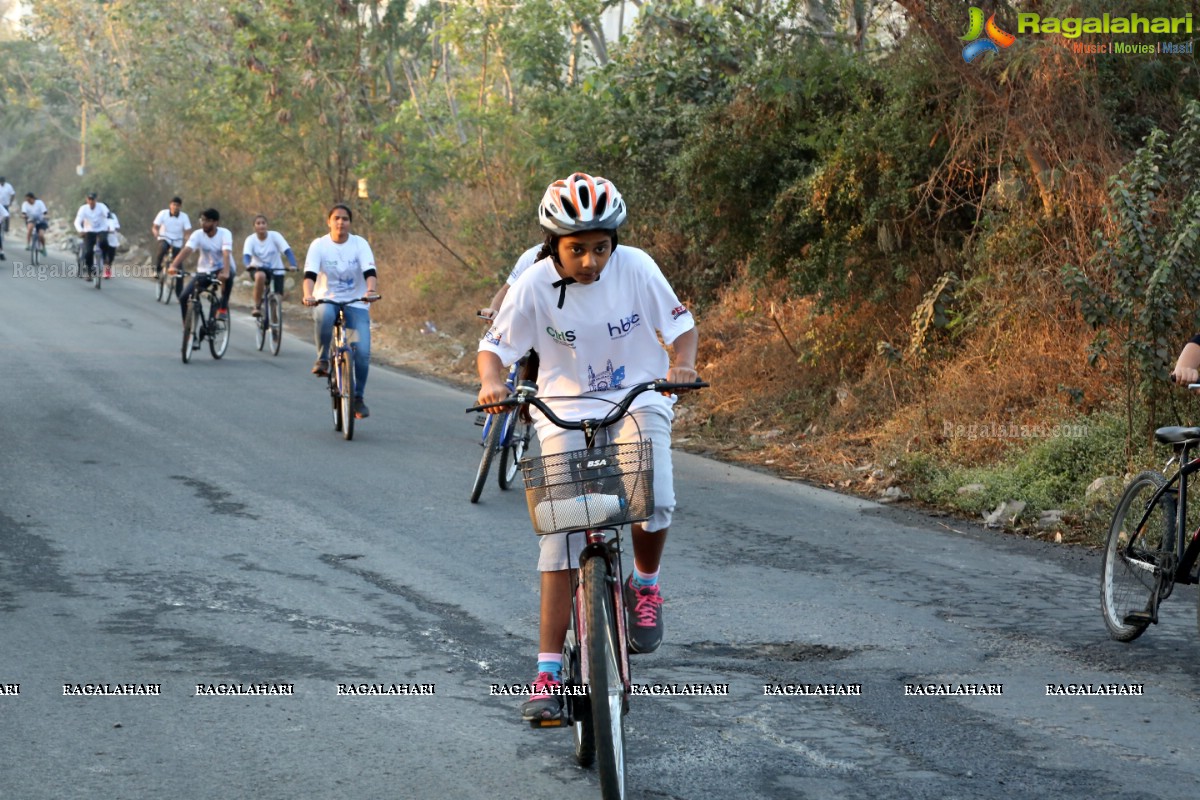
x=346, y=381
x=189, y=324
x=160, y=284
x=218, y=330
x=606, y=691
x=333, y=393
x=275, y=310
x=581, y=716
x=514, y=451
x=1126, y=587
x=491, y=441
x=98, y=276
x=260, y=328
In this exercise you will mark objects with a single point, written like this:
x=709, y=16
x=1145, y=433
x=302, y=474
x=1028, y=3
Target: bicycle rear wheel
x=218, y=330
x=1135, y=556
x=514, y=450
x=189, y=327
x=346, y=392
x=491, y=441
x=275, y=315
x=606, y=688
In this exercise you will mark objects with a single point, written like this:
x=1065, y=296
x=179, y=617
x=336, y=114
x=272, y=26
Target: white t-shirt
x=339, y=268
x=210, y=249
x=172, y=228
x=266, y=253
x=4, y=212
x=527, y=260
x=92, y=219
x=114, y=225
x=35, y=211
x=6, y=194
x=602, y=341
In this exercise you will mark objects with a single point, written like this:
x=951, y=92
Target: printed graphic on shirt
x=624, y=326
x=609, y=379
x=492, y=337
x=678, y=312
x=565, y=338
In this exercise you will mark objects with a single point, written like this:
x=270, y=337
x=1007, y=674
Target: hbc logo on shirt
x=623, y=327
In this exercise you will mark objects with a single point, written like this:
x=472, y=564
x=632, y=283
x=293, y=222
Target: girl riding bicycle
x=595, y=312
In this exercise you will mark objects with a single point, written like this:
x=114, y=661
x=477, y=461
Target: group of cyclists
x=33, y=211
x=596, y=313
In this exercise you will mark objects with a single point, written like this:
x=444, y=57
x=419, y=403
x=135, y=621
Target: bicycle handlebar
x=370, y=298
x=525, y=395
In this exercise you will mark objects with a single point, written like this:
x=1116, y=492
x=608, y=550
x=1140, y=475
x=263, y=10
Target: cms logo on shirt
x=623, y=327
x=566, y=338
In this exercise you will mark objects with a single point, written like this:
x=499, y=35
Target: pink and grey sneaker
x=644, y=608
x=544, y=702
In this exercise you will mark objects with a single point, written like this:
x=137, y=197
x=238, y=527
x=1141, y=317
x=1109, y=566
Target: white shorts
x=655, y=425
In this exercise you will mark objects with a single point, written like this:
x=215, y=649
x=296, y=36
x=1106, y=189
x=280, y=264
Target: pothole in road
x=771, y=651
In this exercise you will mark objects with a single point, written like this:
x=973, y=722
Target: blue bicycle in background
x=506, y=434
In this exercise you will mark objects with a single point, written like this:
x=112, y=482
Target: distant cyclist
x=35, y=214
x=215, y=246
x=341, y=267
x=91, y=222
x=7, y=193
x=171, y=227
x=263, y=254
x=114, y=241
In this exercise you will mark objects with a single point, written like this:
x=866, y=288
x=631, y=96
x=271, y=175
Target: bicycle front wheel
x=606, y=689
x=491, y=441
x=275, y=315
x=260, y=329
x=346, y=390
x=189, y=328
x=514, y=450
x=572, y=675
x=97, y=276
x=218, y=331
x=1140, y=546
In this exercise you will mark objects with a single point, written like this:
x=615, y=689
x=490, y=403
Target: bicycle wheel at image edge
x=491, y=441
x=1127, y=579
x=189, y=324
x=514, y=450
x=275, y=311
x=606, y=689
x=346, y=395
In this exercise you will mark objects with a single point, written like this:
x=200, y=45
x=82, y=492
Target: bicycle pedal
x=1139, y=618
x=547, y=723
x=480, y=419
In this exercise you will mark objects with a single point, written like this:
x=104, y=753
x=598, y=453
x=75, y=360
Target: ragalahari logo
x=994, y=37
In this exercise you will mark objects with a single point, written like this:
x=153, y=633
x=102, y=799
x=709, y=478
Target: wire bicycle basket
x=582, y=489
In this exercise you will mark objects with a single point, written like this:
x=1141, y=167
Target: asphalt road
x=192, y=525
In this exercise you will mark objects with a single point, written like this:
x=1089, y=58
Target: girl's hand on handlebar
x=1185, y=375
x=492, y=393
x=681, y=375
x=371, y=297
x=309, y=300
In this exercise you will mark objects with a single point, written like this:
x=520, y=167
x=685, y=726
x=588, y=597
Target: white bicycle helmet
x=581, y=203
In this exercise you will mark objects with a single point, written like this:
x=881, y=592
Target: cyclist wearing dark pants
x=341, y=267
x=594, y=311
x=91, y=222
x=263, y=254
x=215, y=246
x=35, y=214
x=171, y=227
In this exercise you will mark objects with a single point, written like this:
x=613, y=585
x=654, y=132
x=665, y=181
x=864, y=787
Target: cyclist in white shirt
x=7, y=193
x=3, y=221
x=114, y=241
x=341, y=267
x=91, y=222
x=35, y=212
x=171, y=227
x=595, y=312
x=263, y=254
x=215, y=246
